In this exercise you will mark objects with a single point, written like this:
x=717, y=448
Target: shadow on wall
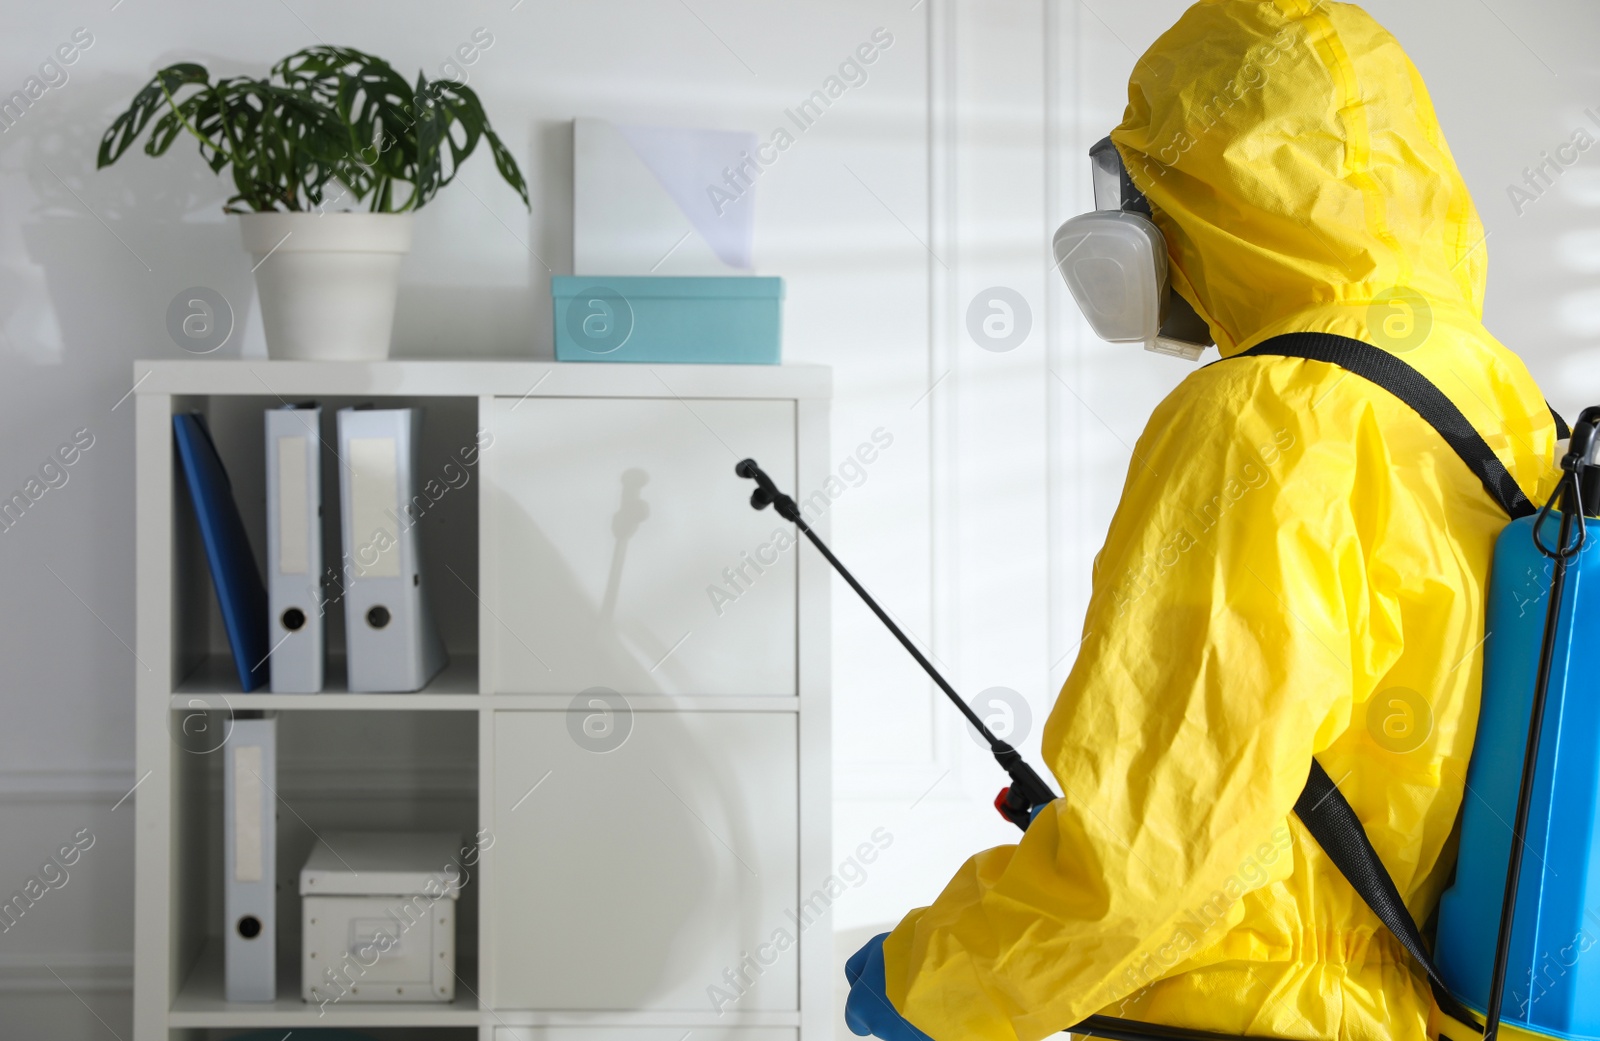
x=633, y=512
x=622, y=650
x=112, y=247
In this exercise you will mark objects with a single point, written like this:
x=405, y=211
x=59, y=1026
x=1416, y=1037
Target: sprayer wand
x=1027, y=791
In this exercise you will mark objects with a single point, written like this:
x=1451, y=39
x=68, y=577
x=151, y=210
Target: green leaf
x=126, y=128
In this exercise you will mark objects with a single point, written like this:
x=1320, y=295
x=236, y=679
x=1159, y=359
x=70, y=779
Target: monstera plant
x=329, y=156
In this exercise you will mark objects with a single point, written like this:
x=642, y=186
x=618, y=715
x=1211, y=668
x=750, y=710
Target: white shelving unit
x=618, y=883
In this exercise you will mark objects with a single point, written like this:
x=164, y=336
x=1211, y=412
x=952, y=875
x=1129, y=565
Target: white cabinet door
x=645, y=863
x=626, y=554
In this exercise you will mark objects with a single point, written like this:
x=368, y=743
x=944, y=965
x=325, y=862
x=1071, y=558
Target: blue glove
x=869, y=1011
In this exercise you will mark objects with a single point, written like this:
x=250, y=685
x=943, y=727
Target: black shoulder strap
x=1330, y=819
x=1562, y=430
x=1322, y=808
x=1411, y=387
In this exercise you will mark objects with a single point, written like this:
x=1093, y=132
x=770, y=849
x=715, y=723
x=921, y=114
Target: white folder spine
x=249, y=861
x=391, y=637
x=294, y=549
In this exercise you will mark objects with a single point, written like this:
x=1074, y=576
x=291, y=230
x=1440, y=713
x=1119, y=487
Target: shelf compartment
x=445, y=526
x=694, y=861
x=609, y=560
x=200, y=1003
x=337, y=771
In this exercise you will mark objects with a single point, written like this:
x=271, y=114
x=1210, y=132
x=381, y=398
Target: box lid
x=717, y=287
x=384, y=863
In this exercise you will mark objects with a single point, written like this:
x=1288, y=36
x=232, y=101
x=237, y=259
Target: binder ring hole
x=293, y=619
x=378, y=616
x=249, y=927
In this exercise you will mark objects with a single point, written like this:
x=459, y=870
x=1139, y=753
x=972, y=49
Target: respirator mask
x=1115, y=263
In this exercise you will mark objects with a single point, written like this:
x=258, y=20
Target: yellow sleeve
x=1228, y=628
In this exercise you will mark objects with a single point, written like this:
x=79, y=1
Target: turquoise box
x=641, y=318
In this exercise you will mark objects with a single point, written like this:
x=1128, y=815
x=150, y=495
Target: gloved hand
x=869, y=1011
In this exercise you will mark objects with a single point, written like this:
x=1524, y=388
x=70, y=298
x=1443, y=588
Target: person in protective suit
x=1297, y=568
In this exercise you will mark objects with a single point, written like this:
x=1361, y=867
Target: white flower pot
x=327, y=281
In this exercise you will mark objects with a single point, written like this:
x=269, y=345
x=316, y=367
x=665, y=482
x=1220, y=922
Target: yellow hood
x=1293, y=160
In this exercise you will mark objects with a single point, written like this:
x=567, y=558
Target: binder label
x=374, y=494
x=247, y=786
x=294, y=533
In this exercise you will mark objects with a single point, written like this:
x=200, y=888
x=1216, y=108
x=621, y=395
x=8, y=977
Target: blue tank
x=1553, y=979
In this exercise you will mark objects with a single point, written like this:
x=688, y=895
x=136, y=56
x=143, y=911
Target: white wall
x=939, y=178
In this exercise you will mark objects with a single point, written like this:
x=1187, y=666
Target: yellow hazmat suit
x=1297, y=568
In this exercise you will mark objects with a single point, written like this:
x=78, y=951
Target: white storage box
x=378, y=911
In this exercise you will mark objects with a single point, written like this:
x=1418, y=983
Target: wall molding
x=64, y=784
x=1064, y=163
x=98, y=971
x=944, y=535
x=377, y=781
